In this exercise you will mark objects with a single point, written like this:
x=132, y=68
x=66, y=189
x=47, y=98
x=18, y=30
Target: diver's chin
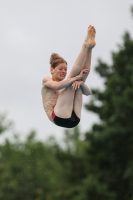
x=62, y=78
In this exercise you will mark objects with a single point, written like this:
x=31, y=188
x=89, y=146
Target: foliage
x=110, y=151
x=4, y=123
x=72, y=159
x=29, y=170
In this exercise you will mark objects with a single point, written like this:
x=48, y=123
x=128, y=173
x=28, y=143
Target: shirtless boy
x=62, y=99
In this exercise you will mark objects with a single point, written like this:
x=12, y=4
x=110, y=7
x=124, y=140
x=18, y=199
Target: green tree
x=36, y=170
x=71, y=155
x=110, y=142
x=28, y=170
x=5, y=124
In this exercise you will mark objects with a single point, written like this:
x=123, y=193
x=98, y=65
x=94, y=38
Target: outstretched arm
x=48, y=82
x=80, y=84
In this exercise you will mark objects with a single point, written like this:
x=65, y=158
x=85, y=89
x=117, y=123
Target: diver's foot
x=90, y=38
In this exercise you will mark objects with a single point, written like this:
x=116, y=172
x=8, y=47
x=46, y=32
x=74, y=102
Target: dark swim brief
x=66, y=122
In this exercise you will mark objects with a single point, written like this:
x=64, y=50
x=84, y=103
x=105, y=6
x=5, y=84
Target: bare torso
x=49, y=99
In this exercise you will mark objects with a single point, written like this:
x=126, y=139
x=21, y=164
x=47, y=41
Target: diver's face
x=59, y=73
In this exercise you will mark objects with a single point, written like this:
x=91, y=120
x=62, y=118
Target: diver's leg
x=87, y=63
x=84, y=56
x=68, y=101
x=64, y=104
x=77, y=103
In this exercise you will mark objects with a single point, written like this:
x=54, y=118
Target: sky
x=30, y=31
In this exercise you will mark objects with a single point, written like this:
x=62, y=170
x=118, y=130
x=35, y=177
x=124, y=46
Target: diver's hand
x=76, y=84
x=82, y=74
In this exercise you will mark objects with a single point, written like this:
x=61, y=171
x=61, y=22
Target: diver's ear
x=51, y=70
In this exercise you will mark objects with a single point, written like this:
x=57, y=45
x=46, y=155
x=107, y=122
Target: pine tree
x=110, y=142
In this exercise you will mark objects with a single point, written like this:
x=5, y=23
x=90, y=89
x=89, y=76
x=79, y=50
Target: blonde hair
x=55, y=59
